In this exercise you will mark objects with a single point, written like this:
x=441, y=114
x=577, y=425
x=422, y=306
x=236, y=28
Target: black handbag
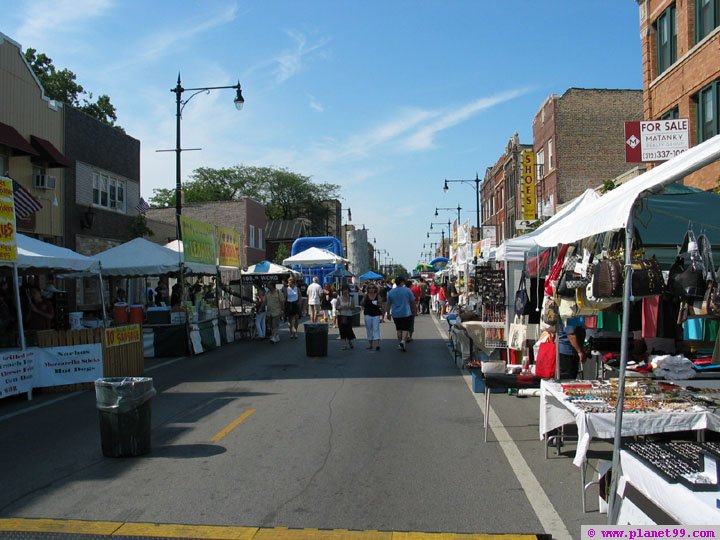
x=687, y=277
x=522, y=300
x=647, y=278
x=607, y=272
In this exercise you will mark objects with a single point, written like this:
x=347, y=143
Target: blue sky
x=385, y=98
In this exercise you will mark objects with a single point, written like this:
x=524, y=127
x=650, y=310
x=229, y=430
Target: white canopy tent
x=314, y=257
x=33, y=253
x=613, y=211
x=514, y=249
x=138, y=257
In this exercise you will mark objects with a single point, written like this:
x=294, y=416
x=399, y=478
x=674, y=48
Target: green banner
x=199, y=243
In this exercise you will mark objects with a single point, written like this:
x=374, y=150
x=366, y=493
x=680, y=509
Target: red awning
x=49, y=153
x=10, y=137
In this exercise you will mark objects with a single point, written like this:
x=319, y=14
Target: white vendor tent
x=33, y=253
x=138, y=257
x=514, y=249
x=314, y=257
x=613, y=210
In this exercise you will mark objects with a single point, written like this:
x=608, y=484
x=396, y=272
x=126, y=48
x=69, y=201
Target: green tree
x=61, y=85
x=285, y=194
x=282, y=253
x=139, y=227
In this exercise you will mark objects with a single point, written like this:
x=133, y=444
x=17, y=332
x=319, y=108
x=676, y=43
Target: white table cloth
x=556, y=411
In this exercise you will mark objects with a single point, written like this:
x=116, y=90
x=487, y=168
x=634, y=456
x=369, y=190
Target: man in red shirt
x=415, y=288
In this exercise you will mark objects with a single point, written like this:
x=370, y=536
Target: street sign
x=656, y=140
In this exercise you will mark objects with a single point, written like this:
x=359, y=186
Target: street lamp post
x=477, y=196
x=180, y=105
x=452, y=209
x=442, y=240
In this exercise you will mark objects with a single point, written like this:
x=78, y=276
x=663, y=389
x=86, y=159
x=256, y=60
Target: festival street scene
x=278, y=270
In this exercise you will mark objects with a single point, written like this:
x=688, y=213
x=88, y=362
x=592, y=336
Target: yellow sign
x=198, y=241
x=529, y=203
x=8, y=243
x=122, y=335
x=228, y=247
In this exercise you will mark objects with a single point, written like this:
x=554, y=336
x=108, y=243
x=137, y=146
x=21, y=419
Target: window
x=109, y=192
x=260, y=238
x=4, y=160
x=671, y=114
x=550, y=154
x=707, y=111
x=666, y=31
x=251, y=236
x=707, y=17
x=540, y=163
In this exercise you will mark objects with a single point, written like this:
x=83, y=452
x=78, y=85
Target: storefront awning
x=9, y=136
x=49, y=153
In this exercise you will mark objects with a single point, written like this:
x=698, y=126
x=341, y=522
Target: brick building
x=283, y=232
x=681, y=70
x=245, y=215
x=500, y=188
x=579, y=142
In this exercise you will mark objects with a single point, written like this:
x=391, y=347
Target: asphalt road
x=261, y=435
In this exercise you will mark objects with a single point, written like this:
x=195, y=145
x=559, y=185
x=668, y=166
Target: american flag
x=142, y=206
x=25, y=203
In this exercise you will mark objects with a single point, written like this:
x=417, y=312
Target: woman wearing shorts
x=292, y=307
x=372, y=307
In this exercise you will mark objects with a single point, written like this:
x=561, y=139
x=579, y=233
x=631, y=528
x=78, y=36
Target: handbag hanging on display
x=687, y=278
x=546, y=359
x=709, y=306
x=517, y=334
x=553, y=276
x=522, y=300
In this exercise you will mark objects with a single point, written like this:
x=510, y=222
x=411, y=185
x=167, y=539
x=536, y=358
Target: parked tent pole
x=624, y=351
x=102, y=295
x=18, y=307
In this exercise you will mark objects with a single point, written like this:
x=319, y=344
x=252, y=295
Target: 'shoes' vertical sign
x=528, y=185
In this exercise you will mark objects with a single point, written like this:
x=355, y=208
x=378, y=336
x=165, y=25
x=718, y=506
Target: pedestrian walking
x=401, y=306
x=452, y=295
x=345, y=311
x=373, y=310
x=424, y=297
x=314, y=293
x=275, y=302
x=260, y=312
x=326, y=296
x=292, y=307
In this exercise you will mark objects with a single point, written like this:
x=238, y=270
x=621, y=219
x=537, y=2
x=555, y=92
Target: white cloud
x=291, y=61
x=423, y=138
x=315, y=105
x=43, y=16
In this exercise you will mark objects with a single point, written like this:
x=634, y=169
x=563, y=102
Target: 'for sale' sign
x=655, y=140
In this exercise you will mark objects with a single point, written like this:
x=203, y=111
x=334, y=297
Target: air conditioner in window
x=44, y=181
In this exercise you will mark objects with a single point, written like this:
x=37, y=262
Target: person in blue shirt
x=400, y=306
x=571, y=354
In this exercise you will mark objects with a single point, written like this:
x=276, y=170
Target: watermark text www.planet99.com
x=595, y=532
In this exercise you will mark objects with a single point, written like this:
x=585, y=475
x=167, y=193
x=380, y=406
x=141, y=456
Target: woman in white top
x=292, y=307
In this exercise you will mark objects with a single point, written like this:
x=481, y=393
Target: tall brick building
x=579, y=142
x=501, y=202
x=681, y=69
x=246, y=216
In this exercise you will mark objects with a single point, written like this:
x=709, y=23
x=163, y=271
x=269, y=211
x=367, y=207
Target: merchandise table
x=557, y=411
x=645, y=498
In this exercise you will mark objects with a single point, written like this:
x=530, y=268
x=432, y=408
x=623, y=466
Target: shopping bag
x=517, y=334
x=545, y=361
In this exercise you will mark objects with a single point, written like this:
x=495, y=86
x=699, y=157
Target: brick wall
x=696, y=66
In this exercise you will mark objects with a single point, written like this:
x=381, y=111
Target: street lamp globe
x=239, y=99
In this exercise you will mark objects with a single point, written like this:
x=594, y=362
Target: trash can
x=124, y=408
x=316, y=339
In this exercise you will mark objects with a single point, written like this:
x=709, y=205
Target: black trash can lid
x=123, y=394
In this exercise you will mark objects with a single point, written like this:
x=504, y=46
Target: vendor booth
x=649, y=296
x=63, y=358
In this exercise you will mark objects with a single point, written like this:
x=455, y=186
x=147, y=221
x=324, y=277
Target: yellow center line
x=232, y=425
